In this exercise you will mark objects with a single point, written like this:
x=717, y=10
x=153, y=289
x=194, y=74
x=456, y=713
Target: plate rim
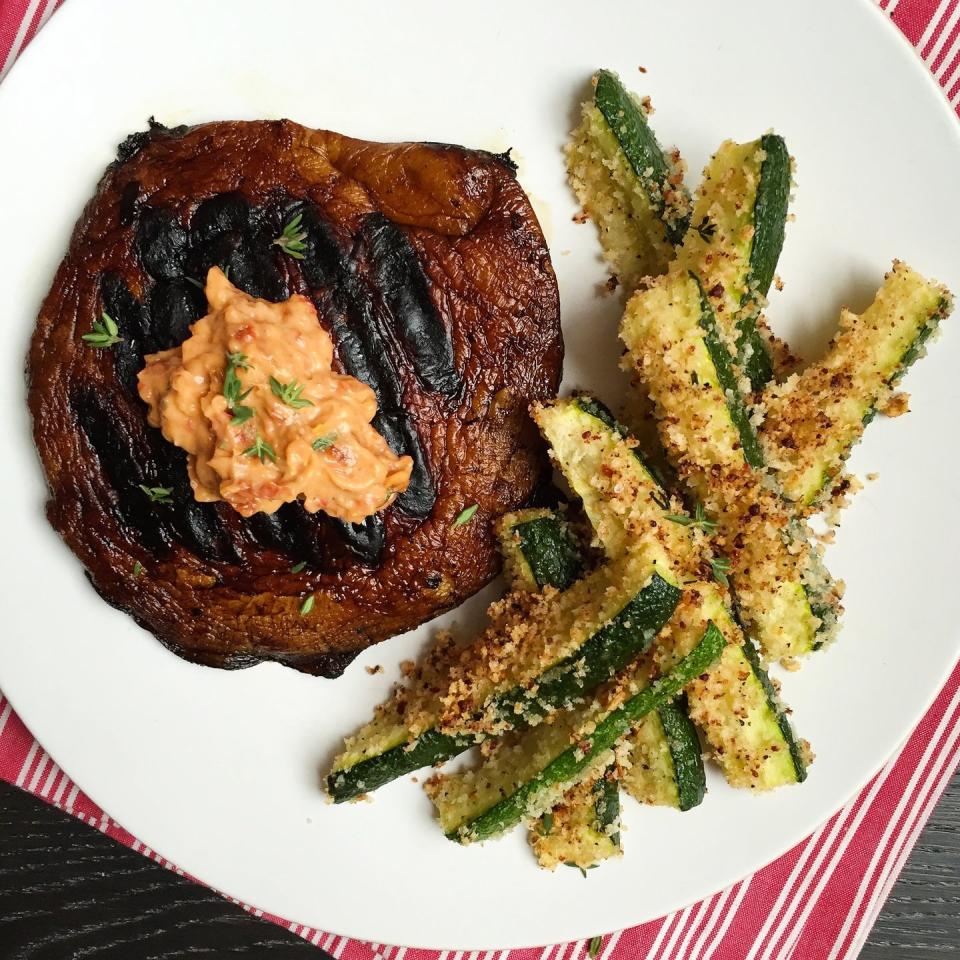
x=34, y=51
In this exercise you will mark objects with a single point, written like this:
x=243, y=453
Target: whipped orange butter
x=252, y=399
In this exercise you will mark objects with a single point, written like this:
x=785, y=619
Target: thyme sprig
x=105, y=333
x=466, y=515
x=699, y=519
x=322, y=443
x=262, y=450
x=157, y=494
x=289, y=393
x=720, y=567
x=291, y=241
x=233, y=389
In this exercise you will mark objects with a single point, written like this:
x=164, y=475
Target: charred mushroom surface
x=429, y=270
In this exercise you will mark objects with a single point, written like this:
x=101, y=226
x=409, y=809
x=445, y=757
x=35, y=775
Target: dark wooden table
x=67, y=892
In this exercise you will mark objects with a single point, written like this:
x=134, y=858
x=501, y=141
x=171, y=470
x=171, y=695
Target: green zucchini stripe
x=769, y=222
x=569, y=766
x=773, y=699
x=606, y=806
x=601, y=656
x=639, y=145
x=685, y=753
x=727, y=380
x=742, y=723
x=551, y=557
x=814, y=420
x=687, y=779
x=550, y=551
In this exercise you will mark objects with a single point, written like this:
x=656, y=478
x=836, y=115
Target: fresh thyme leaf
x=196, y=283
x=233, y=388
x=306, y=606
x=720, y=567
x=706, y=228
x=327, y=440
x=699, y=519
x=157, y=494
x=291, y=241
x=547, y=824
x=261, y=449
x=595, y=944
x=105, y=333
x=289, y=393
x=241, y=414
x=297, y=567
x=466, y=515
x=583, y=870
x=137, y=569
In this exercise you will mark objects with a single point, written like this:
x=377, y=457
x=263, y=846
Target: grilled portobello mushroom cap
x=428, y=268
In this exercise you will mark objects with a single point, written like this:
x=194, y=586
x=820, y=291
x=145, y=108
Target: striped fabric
x=817, y=902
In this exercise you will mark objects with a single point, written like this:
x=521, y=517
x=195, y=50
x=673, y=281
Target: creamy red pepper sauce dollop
x=252, y=398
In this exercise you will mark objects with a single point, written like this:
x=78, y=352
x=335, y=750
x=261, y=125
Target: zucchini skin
x=606, y=652
x=796, y=752
x=594, y=408
x=671, y=330
x=770, y=221
x=727, y=379
x=568, y=767
x=550, y=552
x=606, y=806
x=639, y=145
x=814, y=421
x=427, y=749
x=685, y=752
x=739, y=746
x=551, y=557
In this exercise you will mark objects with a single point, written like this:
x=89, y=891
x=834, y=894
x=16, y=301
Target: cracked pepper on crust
x=427, y=266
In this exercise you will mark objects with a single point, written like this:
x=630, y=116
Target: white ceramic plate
x=220, y=771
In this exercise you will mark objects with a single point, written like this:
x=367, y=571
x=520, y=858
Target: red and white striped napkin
x=817, y=901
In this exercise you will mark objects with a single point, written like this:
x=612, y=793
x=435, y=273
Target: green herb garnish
x=720, y=567
x=105, y=333
x=306, y=606
x=291, y=241
x=595, y=944
x=137, y=569
x=466, y=516
x=289, y=393
x=706, y=228
x=261, y=449
x=297, y=567
x=157, y=494
x=547, y=824
x=233, y=389
x=327, y=440
x=241, y=414
x=699, y=519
